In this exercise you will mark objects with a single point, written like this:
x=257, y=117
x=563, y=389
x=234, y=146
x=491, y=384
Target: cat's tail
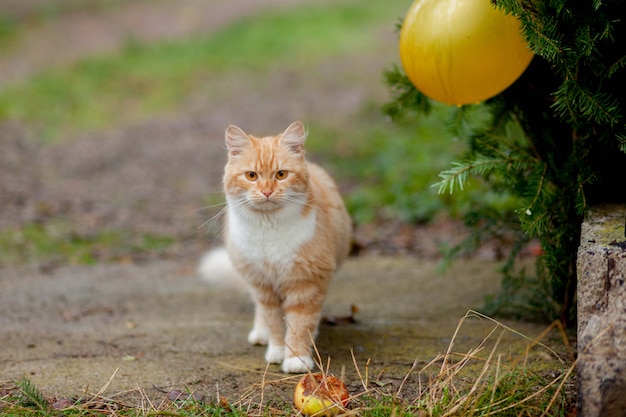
x=216, y=269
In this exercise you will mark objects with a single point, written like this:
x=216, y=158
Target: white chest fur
x=272, y=239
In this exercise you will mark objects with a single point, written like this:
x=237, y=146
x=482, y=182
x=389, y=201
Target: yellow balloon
x=461, y=51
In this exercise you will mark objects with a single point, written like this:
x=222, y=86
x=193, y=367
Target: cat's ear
x=236, y=140
x=294, y=137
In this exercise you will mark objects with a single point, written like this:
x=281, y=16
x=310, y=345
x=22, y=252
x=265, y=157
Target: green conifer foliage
x=555, y=140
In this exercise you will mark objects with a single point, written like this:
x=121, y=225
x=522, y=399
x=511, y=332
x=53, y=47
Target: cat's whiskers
x=211, y=222
x=294, y=206
x=223, y=203
x=293, y=202
x=242, y=202
x=213, y=219
x=223, y=206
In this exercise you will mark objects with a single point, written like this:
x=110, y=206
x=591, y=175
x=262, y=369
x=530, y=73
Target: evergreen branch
x=460, y=171
x=584, y=178
x=539, y=188
x=405, y=97
x=543, y=37
x=537, y=226
x=584, y=41
x=581, y=203
x=574, y=102
x=621, y=139
x=617, y=65
x=469, y=120
x=399, y=23
x=503, y=145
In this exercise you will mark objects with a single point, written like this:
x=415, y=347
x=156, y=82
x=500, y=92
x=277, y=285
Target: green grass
x=56, y=241
x=143, y=80
x=8, y=31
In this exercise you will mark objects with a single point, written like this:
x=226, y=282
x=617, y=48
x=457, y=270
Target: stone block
x=601, y=298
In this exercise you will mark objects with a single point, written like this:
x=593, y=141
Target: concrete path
x=146, y=330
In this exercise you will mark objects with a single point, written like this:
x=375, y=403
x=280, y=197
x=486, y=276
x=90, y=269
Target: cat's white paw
x=275, y=354
x=297, y=365
x=258, y=337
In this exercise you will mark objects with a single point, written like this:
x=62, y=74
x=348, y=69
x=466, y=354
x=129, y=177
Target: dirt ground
x=147, y=324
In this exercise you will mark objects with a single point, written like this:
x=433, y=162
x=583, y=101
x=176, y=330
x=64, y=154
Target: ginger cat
x=287, y=231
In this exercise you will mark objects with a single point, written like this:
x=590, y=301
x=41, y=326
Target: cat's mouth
x=265, y=205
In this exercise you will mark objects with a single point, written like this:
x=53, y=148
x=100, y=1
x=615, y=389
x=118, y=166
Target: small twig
x=407, y=376
x=358, y=371
x=98, y=395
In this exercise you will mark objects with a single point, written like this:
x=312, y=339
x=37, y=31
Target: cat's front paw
x=258, y=337
x=297, y=364
x=275, y=354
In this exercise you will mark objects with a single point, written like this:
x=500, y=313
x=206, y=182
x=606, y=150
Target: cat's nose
x=267, y=194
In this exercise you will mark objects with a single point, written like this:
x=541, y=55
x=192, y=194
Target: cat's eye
x=281, y=175
x=251, y=176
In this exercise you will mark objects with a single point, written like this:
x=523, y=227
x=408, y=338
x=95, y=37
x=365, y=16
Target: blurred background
x=112, y=115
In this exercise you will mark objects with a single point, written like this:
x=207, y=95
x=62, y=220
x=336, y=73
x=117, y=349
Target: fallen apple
x=320, y=395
